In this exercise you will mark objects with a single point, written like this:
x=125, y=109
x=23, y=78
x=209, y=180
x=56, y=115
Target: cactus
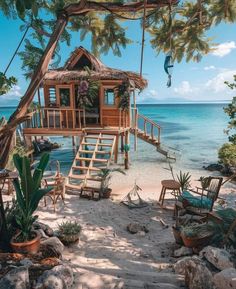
x=28, y=192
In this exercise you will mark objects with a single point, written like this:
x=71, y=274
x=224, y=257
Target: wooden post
x=122, y=142
x=126, y=150
x=73, y=141
x=116, y=149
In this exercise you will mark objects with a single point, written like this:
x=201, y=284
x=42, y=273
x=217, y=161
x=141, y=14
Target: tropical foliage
x=184, y=180
x=28, y=193
x=227, y=153
x=105, y=175
x=6, y=83
x=181, y=29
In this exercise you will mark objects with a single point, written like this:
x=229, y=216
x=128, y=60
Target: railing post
x=152, y=131
x=145, y=126
x=159, y=135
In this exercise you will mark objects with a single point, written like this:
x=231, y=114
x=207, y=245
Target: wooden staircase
x=150, y=132
x=94, y=153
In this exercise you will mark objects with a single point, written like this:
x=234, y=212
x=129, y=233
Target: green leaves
x=28, y=192
x=23, y=5
x=6, y=83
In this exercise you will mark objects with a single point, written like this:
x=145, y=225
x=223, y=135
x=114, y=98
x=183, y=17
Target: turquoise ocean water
x=195, y=129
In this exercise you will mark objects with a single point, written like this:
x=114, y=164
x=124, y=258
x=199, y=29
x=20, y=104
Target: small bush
x=227, y=154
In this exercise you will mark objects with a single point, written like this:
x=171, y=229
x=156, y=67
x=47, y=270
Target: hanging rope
x=168, y=64
x=22, y=39
x=143, y=37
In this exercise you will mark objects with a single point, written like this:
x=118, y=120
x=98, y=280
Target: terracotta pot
x=30, y=247
x=193, y=242
x=107, y=193
x=177, y=235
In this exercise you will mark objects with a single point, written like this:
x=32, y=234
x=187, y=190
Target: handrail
x=147, y=121
x=57, y=117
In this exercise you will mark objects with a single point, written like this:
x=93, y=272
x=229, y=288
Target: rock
x=214, y=167
x=197, y=275
x=225, y=279
x=52, y=247
x=16, y=279
x=47, y=230
x=183, y=251
x=42, y=234
x=134, y=228
x=60, y=277
x=26, y=262
x=220, y=258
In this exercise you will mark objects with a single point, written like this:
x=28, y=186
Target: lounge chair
x=200, y=200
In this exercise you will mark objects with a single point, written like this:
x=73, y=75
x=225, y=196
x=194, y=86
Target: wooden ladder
x=94, y=153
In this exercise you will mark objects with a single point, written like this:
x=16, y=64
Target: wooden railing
x=57, y=118
x=146, y=125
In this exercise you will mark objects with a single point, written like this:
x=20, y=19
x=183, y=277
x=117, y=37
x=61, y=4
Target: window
x=109, y=96
x=52, y=99
x=64, y=95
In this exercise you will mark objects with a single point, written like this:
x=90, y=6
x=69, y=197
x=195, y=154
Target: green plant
x=11, y=211
x=196, y=230
x=205, y=182
x=184, y=180
x=105, y=175
x=227, y=154
x=123, y=95
x=69, y=228
x=28, y=193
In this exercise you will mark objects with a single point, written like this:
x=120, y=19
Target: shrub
x=227, y=154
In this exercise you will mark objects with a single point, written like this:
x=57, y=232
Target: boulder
x=225, y=279
x=214, y=167
x=134, y=228
x=220, y=258
x=183, y=251
x=47, y=230
x=17, y=278
x=60, y=277
x=52, y=247
x=26, y=262
x=197, y=275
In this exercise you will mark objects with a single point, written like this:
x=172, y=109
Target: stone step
x=93, y=280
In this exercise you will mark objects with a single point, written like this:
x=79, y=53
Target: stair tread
x=73, y=186
x=85, y=168
x=78, y=158
x=94, y=144
x=83, y=176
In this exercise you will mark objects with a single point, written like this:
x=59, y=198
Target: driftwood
x=81, y=8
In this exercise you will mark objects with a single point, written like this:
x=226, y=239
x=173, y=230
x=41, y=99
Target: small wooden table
x=170, y=185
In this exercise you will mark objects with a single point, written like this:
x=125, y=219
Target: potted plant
x=69, y=232
x=105, y=175
x=28, y=195
x=196, y=235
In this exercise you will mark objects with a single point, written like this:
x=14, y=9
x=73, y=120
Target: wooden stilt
x=126, y=150
x=122, y=142
x=73, y=141
x=116, y=149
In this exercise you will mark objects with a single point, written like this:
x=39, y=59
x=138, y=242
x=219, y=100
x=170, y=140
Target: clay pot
x=194, y=242
x=177, y=235
x=28, y=247
x=107, y=193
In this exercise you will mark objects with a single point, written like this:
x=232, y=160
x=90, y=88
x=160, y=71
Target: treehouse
x=86, y=93
x=88, y=99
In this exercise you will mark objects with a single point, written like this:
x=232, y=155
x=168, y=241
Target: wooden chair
x=200, y=200
x=57, y=192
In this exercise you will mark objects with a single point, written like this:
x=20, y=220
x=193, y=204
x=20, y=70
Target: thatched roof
x=74, y=70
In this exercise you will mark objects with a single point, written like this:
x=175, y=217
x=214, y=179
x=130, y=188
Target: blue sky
x=191, y=81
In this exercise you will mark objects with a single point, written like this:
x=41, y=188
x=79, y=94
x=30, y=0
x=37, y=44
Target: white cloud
x=184, y=88
x=216, y=84
x=14, y=93
x=153, y=92
x=210, y=67
x=224, y=48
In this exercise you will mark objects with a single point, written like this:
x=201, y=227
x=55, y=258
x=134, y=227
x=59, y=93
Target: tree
x=179, y=29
